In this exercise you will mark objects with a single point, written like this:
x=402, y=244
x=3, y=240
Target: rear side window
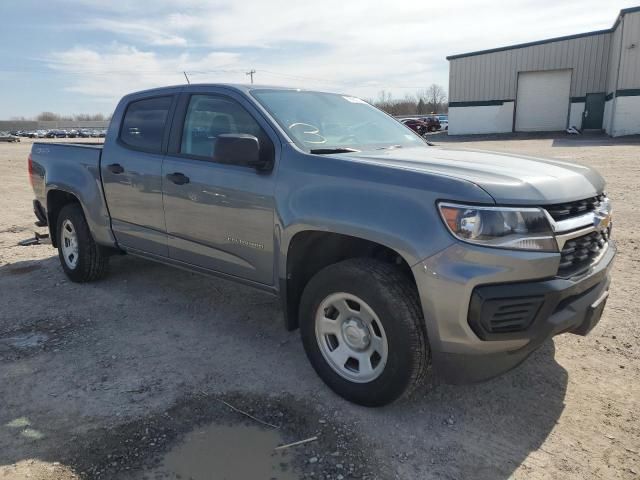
x=144, y=122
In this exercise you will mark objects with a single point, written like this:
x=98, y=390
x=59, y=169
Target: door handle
x=178, y=178
x=115, y=168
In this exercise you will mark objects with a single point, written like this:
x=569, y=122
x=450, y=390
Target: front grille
x=562, y=211
x=578, y=253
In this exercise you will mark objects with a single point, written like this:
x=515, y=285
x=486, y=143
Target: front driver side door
x=219, y=216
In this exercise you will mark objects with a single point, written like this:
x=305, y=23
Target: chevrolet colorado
x=390, y=255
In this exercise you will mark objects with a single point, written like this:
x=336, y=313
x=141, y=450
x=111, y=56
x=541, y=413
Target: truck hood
x=508, y=178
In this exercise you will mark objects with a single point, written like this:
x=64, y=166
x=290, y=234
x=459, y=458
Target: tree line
x=432, y=99
x=79, y=117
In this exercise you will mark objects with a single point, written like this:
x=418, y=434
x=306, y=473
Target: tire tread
x=396, y=294
x=93, y=261
x=400, y=287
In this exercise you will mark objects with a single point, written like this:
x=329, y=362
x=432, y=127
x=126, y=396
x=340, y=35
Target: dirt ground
x=100, y=380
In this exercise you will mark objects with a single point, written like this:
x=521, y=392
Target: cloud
x=356, y=47
x=146, y=34
x=119, y=69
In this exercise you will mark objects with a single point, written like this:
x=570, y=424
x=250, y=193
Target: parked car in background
x=432, y=122
x=95, y=133
x=56, y=134
x=444, y=121
x=7, y=137
x=416, y=125
x=72, y=133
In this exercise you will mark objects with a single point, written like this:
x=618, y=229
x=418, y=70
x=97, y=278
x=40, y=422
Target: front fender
x=392, y=207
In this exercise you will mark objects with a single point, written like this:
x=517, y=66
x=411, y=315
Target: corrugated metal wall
x=494, y=76
x=630, y=66
x=614, y=59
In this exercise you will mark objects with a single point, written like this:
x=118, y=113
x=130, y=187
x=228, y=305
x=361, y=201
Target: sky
x=81, y=56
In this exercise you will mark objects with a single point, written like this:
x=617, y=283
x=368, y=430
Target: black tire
x=394, y=299
x=92, y=259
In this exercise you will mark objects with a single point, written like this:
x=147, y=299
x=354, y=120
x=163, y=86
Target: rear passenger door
x=219, y=216
x=131, y=169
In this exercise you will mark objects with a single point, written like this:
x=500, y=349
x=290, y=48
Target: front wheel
x=363, y=331
x=82, y=259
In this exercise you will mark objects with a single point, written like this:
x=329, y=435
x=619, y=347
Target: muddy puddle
x=227, y=452
x=224, y=438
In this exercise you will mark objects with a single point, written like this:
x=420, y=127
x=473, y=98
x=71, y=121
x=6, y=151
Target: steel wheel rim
x=69, y=244
x=351, y=337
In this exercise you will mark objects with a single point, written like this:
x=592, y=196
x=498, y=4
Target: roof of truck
x=242, y=87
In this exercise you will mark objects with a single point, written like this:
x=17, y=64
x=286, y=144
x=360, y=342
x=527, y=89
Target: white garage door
x=543, y=101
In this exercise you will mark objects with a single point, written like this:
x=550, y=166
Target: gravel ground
x=89, y=374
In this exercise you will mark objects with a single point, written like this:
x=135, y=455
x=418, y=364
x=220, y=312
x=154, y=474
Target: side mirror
x=241, y=149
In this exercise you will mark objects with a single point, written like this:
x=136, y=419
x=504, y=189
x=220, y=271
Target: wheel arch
x=310, y=250
x=57, y=199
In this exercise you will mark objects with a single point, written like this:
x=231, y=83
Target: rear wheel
x=82, y=259
x=363, y=331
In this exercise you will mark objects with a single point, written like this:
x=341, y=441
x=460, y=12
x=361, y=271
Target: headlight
x=500, y=227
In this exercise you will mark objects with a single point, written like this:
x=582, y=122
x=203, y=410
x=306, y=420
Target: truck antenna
x=185, y=76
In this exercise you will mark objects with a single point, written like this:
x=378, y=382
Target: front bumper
x=460, y=286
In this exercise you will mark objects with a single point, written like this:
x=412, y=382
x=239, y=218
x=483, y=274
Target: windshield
x=324, y=121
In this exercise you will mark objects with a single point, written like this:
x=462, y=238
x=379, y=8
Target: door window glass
x=144, y=122
x=210, y=116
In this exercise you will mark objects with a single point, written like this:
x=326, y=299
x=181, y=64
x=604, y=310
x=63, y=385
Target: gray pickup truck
x=390, y=255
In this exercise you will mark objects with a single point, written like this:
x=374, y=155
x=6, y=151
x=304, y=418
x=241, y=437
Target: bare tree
x=429, y=100
x=79, y=117
x=87, y=116
x=434, y=98
x=47, y=116
x=384, y=97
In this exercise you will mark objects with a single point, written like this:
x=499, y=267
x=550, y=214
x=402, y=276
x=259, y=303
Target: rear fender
x=75, y=170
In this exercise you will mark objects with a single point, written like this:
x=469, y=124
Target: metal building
x=589, y=80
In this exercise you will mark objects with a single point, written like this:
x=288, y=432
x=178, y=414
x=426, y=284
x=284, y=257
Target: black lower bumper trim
x=535, y=309
x=569, y=305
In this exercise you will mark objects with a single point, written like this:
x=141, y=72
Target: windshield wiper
x=326, y=151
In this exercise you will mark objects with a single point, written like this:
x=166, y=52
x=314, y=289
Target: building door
x=593, y=111
x=542, y=102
